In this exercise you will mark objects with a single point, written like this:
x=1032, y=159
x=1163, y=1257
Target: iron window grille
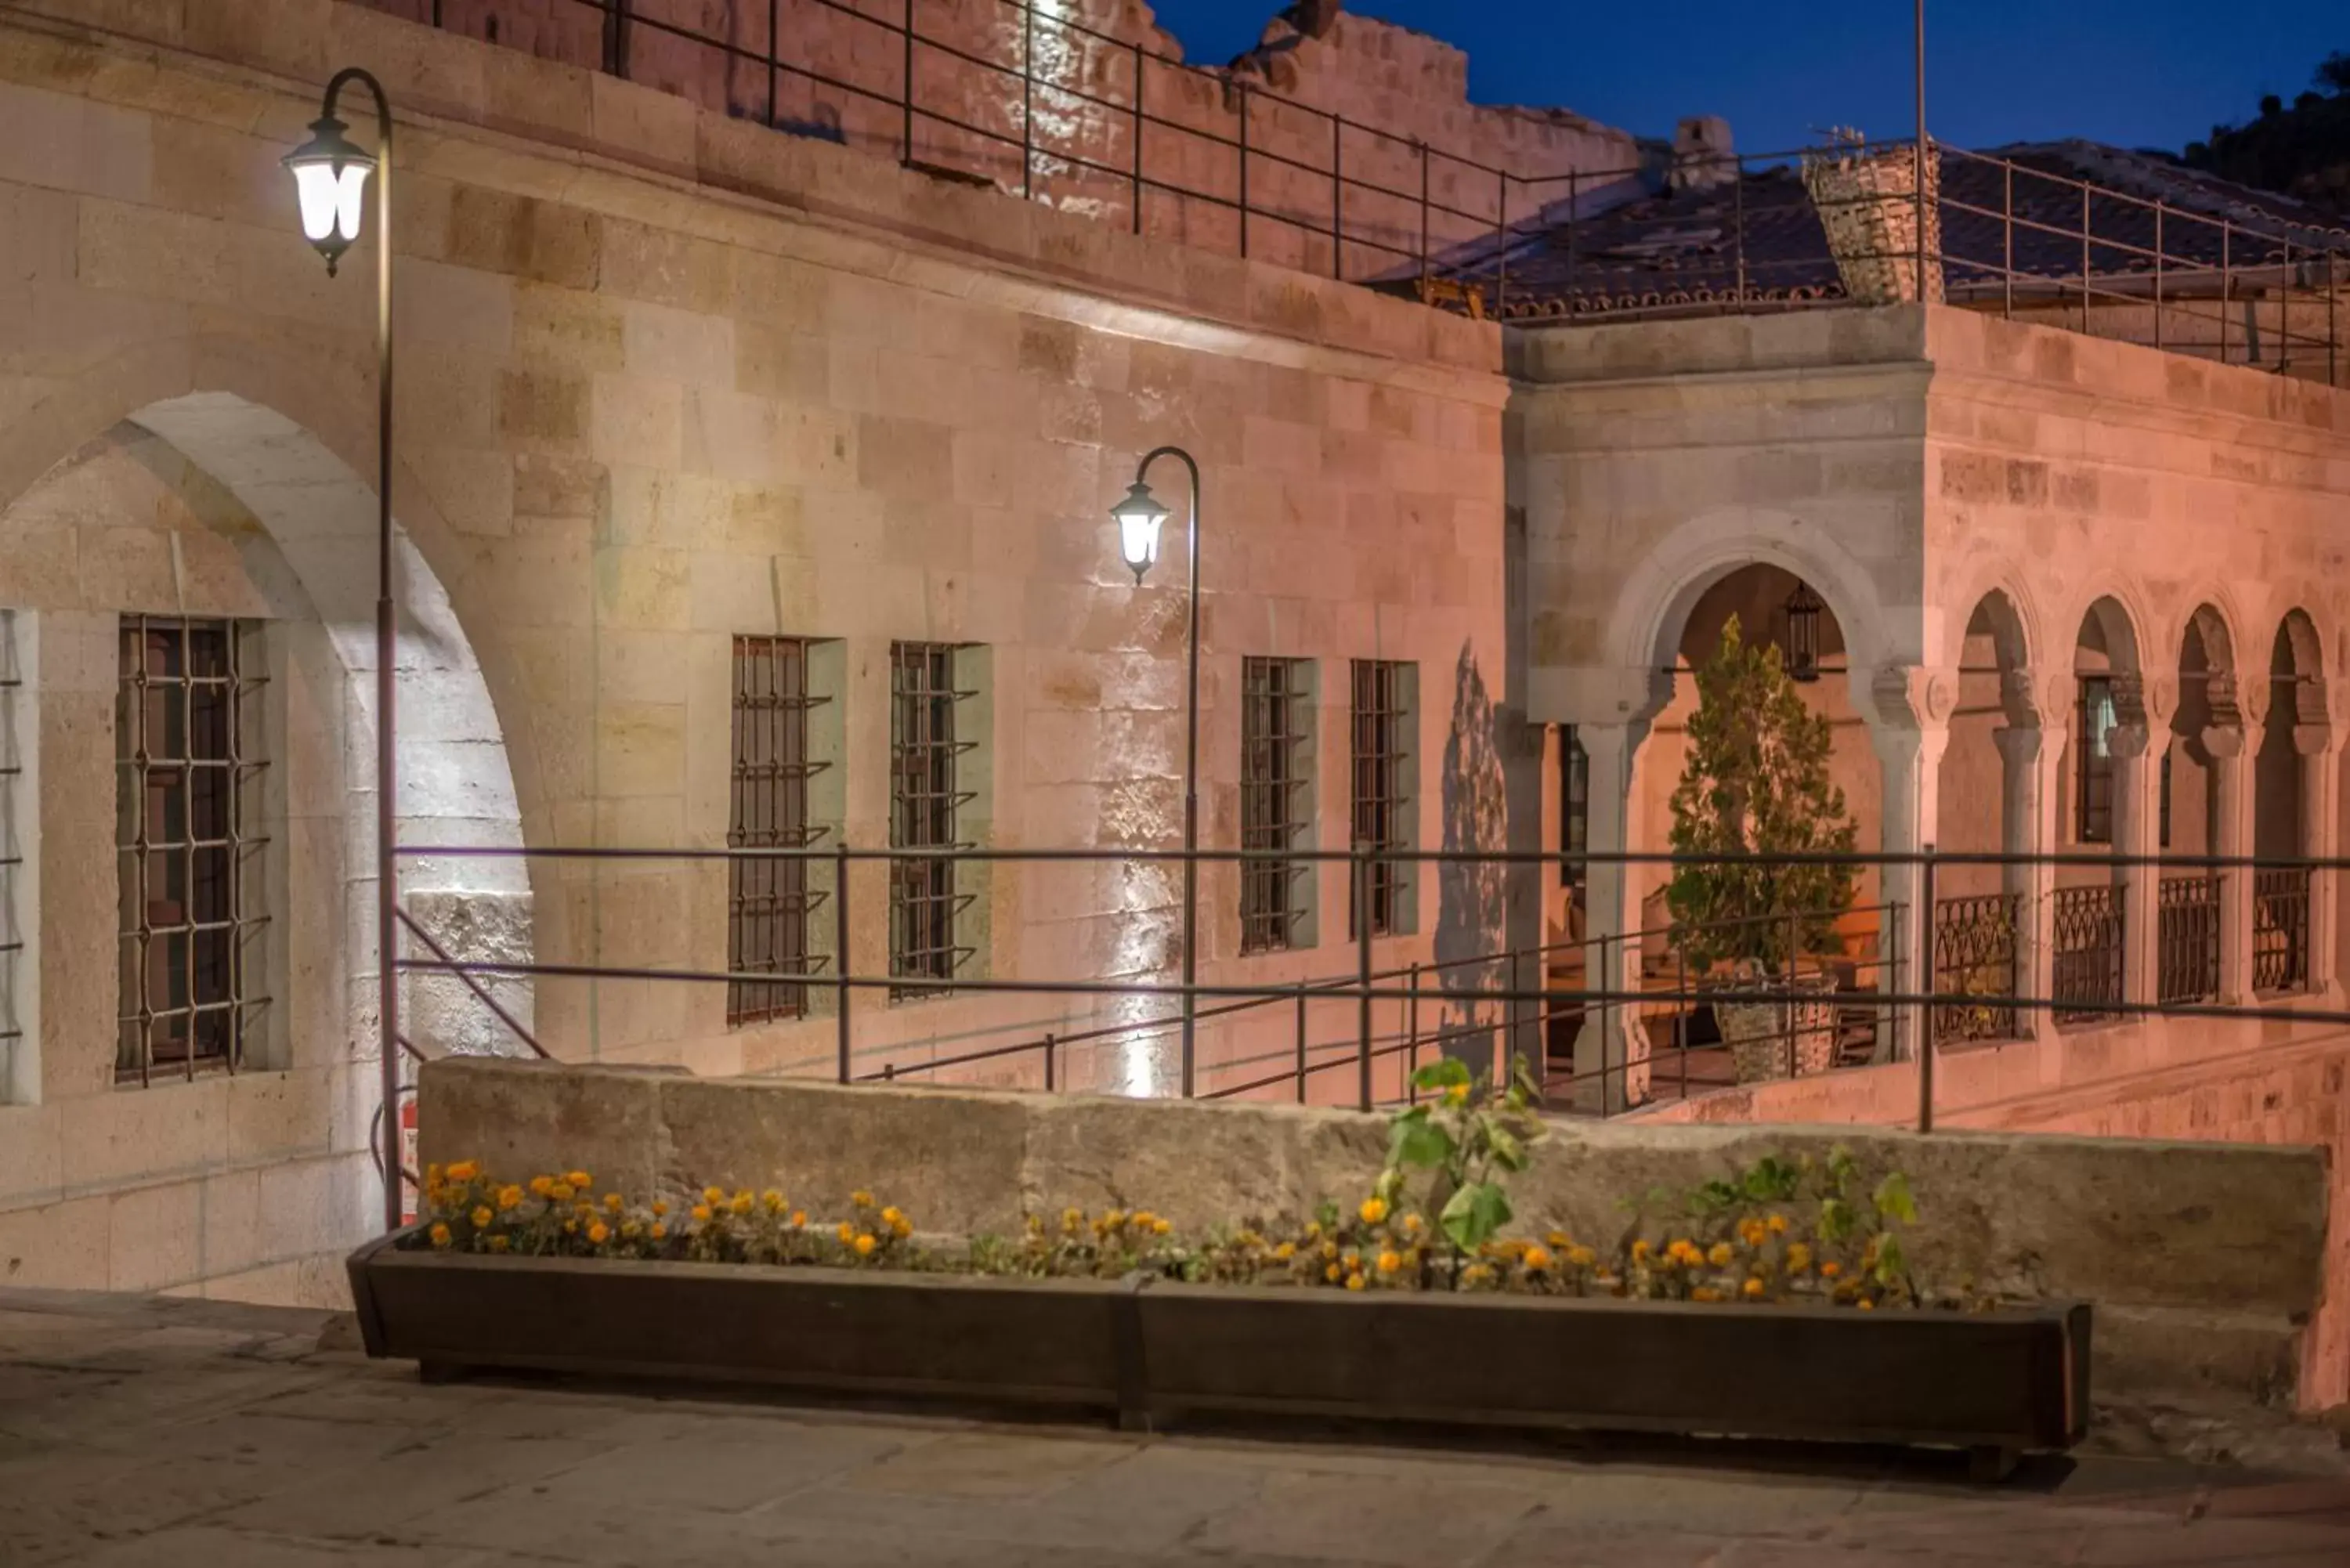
x=1575, y=803
x=926, y=794
x=188, y=925
x=2087, y=953
x=1273, y=779
x=2280, y=929
x=2092, y=774
x=1380, y=749
x=768, y=898
x=2187, y=944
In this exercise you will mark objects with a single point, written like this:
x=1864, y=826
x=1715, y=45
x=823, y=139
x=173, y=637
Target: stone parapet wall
x=2203, y=1260
x=1069, y=139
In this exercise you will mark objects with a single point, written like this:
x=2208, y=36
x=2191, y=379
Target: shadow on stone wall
x=1472, y=900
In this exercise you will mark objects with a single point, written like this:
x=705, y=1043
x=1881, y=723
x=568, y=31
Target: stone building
x=755, y=441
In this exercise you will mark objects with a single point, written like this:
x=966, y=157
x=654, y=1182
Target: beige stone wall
x=231, y=1185
x=2202, y=1260
x=1070, y=139
x=666, y=377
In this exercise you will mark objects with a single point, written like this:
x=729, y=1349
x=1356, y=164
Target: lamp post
x=330, y=178
x=1139, y=518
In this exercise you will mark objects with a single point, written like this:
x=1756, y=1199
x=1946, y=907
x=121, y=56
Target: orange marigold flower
x=1752, y=1288
x=1640, y=1251
x=481, y=1217
x=1537, y=1259
x=1285, y=1252
x=1705, y=1293
x=581, y=1180
x=612, y=1203
x=1582, y=1257
x=862, y=1198
x=1864, y=1304
x=1831, y=1269
x=1353, y=1282
x=1720, y=1255
x=774, y=1198
x=714, y=1195
x=1332, y=1273
x=1558, y=1239
x=1389, y=1262
x=1372, y=1210
x=864, y=1245
x=701, y=1212
x=1778, y=1224
x=660, y=1233
x=440, y=1234
x=799, y=1218
x=571, y=1227
x=1799, y=1257
x=901, y=1227
x=464, y=1170
x=499, y=1243
x=600, y=1232
x=1160, y=1226
x=1412, y=1223
x=742, y=1204
x=845, y=1231
x=509, y=1196
x=660, y=1206
x=562, y=1191
x=542, y=1186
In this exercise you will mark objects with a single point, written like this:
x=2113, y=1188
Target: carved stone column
x=2031, y=750
x=1909, y=710
x=2232, y=741
x=2319, y=742
x=2143, y=707
x=1611, y=1052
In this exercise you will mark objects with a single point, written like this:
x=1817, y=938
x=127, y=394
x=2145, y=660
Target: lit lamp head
x=1139, y=518
x=330, y=177
x=1803, y=649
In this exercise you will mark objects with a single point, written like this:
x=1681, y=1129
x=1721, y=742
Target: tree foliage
x=2302, y=148
x=1755, y=782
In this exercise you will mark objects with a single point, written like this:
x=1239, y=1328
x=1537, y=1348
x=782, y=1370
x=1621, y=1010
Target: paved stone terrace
x=181, y=1433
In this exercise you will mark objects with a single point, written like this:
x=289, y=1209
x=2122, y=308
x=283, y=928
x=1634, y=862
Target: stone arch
x=2297, y=711
x=1644, y=631
x=220, y=402
x=2297, y=665
x=1993, y=673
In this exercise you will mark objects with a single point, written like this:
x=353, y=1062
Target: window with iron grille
x=2092, y=773
x=927, y=794
x=185, y=802
x=1380, y=749
x=768, y=900
x=1276, y=701
x=1573, y=804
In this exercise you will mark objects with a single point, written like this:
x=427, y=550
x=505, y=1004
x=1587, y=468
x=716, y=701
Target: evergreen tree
x=1755, y=782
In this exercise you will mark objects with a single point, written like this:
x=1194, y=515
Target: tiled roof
x=1758, y=238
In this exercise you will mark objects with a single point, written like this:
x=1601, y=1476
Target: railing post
x=1245, y=206
x=1787, y=1006
x=615, y=38
x=906, y=83
x=841, y=989
x=1140, y=122
x=2007, y=239
x=2333, y=337
x=1363, y=971
x=1301, y=1043
x=1682, y=1013
x=1048, y=1063
x=2158, y=274
x=1573, y=222
x=1925, y=1017
x=773, y=47
x=2085, y=259
x=1027, y=100
x=1411, y=1025
x=1513, y=1019
x=2227, y=282
x=1424, y=211
x=1337, y=198
x=1738, y=222
x=1502, y=252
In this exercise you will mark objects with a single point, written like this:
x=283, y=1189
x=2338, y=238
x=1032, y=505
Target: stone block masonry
x=2203, y=1260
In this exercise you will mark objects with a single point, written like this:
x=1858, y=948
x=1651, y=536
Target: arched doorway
x=2105, y=805
x=1990, y=773
x=2286, y=801
x=2204, y=733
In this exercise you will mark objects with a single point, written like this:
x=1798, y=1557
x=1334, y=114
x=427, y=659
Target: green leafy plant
x=1460, y=1145
x=1755, y=783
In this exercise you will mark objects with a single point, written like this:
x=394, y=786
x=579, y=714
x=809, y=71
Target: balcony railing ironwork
x=2280, y=929
x=1975, y=955
x=2086, y=953
x=2187, y=960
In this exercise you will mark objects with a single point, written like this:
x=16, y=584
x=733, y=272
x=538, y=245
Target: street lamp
x=330, y=178
x=1139, y=518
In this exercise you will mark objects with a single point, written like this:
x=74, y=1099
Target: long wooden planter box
x=1997, y=1383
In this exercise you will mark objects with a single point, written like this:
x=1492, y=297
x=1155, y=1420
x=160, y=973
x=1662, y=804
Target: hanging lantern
x=1802, y=641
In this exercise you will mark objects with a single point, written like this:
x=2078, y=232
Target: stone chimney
x=1704, y=157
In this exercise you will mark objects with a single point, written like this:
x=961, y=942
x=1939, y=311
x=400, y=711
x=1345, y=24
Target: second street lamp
x=330, y=177
x=1139, y=519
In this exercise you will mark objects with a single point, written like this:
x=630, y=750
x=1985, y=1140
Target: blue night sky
x=2149, y=73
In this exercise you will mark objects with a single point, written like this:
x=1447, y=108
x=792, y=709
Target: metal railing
x=2086, y=953
x=1975, y=949
x=2280, y=929
x=1028, y=101
x=2187, y=947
